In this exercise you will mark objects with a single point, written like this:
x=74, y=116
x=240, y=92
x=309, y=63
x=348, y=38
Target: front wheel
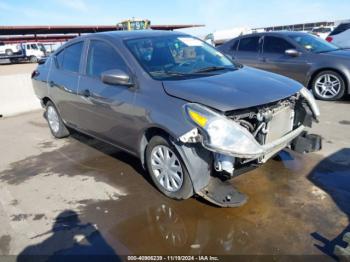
x=57, y=127
x=328, y=86
x=167, y=169
x=33, y=59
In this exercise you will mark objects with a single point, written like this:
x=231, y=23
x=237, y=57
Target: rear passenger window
x=71, y=57
x=249, y=44
x=59, y=59
x=276, y=45
x=102, y=57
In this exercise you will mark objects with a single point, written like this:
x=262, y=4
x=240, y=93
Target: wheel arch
x=146, y=136
x=45, y=100
x=196, y=159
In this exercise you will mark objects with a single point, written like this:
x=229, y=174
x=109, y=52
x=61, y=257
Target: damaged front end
x=244, y=139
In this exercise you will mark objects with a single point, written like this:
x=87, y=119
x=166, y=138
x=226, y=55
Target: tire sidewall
x=62, y=130
x=342, y=88
x=33, y=59
x=186, y=190
x=9, y=52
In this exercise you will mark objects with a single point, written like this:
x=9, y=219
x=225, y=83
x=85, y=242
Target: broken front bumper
x=265, y=151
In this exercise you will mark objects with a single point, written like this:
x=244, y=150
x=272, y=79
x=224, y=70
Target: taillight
x=35, y=73
x=329, y=39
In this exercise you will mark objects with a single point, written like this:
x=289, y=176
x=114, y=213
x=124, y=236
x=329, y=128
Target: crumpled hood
x=243, y=88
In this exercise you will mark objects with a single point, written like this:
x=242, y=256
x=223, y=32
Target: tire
x=33, y=59
x=328, y=86
x=173, y=188
x=8, y=52
x=57, y=127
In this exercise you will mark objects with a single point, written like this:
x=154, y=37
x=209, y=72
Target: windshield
x=42, y=47
x=314, y=43
x=178, y=56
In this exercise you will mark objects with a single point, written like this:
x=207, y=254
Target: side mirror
x=116, y=77
x=292, y=52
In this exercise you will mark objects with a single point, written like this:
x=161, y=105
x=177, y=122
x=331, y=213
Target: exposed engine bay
x=268, y=125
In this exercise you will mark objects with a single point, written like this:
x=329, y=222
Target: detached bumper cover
x=267, y=149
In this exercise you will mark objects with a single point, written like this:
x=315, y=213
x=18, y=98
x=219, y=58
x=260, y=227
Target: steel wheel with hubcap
x=328, y=85
x=57, y=127
x=167, y=169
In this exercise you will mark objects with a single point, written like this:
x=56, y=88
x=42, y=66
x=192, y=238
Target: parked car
x=189, y=113
x=317, y=64
x=340, y=36
x=322, y=31
x=9, y=49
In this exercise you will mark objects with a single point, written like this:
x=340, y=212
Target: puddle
x=290, y=198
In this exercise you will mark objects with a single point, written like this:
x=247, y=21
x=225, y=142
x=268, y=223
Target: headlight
x=311, y=101
x=221, y=134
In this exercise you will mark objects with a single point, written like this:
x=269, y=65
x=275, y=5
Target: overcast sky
x=215, y=14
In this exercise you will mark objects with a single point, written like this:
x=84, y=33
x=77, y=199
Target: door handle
x=86, y=93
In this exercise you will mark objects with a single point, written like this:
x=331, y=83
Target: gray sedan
x=317, y=64
x=193, y=117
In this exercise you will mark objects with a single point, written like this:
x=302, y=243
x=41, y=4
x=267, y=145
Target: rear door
x=274, y=59
x=63, y=81
x=248, y=51
x=106, y=111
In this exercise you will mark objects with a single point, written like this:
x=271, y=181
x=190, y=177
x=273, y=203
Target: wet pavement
x=79, y=195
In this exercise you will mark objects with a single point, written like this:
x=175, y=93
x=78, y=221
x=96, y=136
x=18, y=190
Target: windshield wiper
x=212, y=68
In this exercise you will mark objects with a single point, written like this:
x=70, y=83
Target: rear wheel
x=57, y=127
x=167, y=169
x=329, y=86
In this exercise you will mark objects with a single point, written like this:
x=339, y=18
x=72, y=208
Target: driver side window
x=102, y=57
x=276, y=45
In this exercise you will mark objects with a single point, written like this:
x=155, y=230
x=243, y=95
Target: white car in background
x=322, y=31
x=10, y=49
x=221, y=36
x=340, y=36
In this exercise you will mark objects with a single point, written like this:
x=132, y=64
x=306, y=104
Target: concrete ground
x=78, y=195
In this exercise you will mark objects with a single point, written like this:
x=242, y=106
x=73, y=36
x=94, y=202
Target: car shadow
x=112, y=151
x=332, y=175
x=108, y=149
x=70, y=240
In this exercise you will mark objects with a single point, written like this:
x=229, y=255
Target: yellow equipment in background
x=135, y=24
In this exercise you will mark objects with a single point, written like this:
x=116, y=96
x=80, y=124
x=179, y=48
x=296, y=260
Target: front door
x=274, y=59
x=106, y=110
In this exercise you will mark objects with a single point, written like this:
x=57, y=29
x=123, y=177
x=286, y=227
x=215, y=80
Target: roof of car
x=137, y=34
x=284, y=33
x=122, y=35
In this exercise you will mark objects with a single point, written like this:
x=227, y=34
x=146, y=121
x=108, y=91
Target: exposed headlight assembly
x=221, y=134
x=311, y=101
